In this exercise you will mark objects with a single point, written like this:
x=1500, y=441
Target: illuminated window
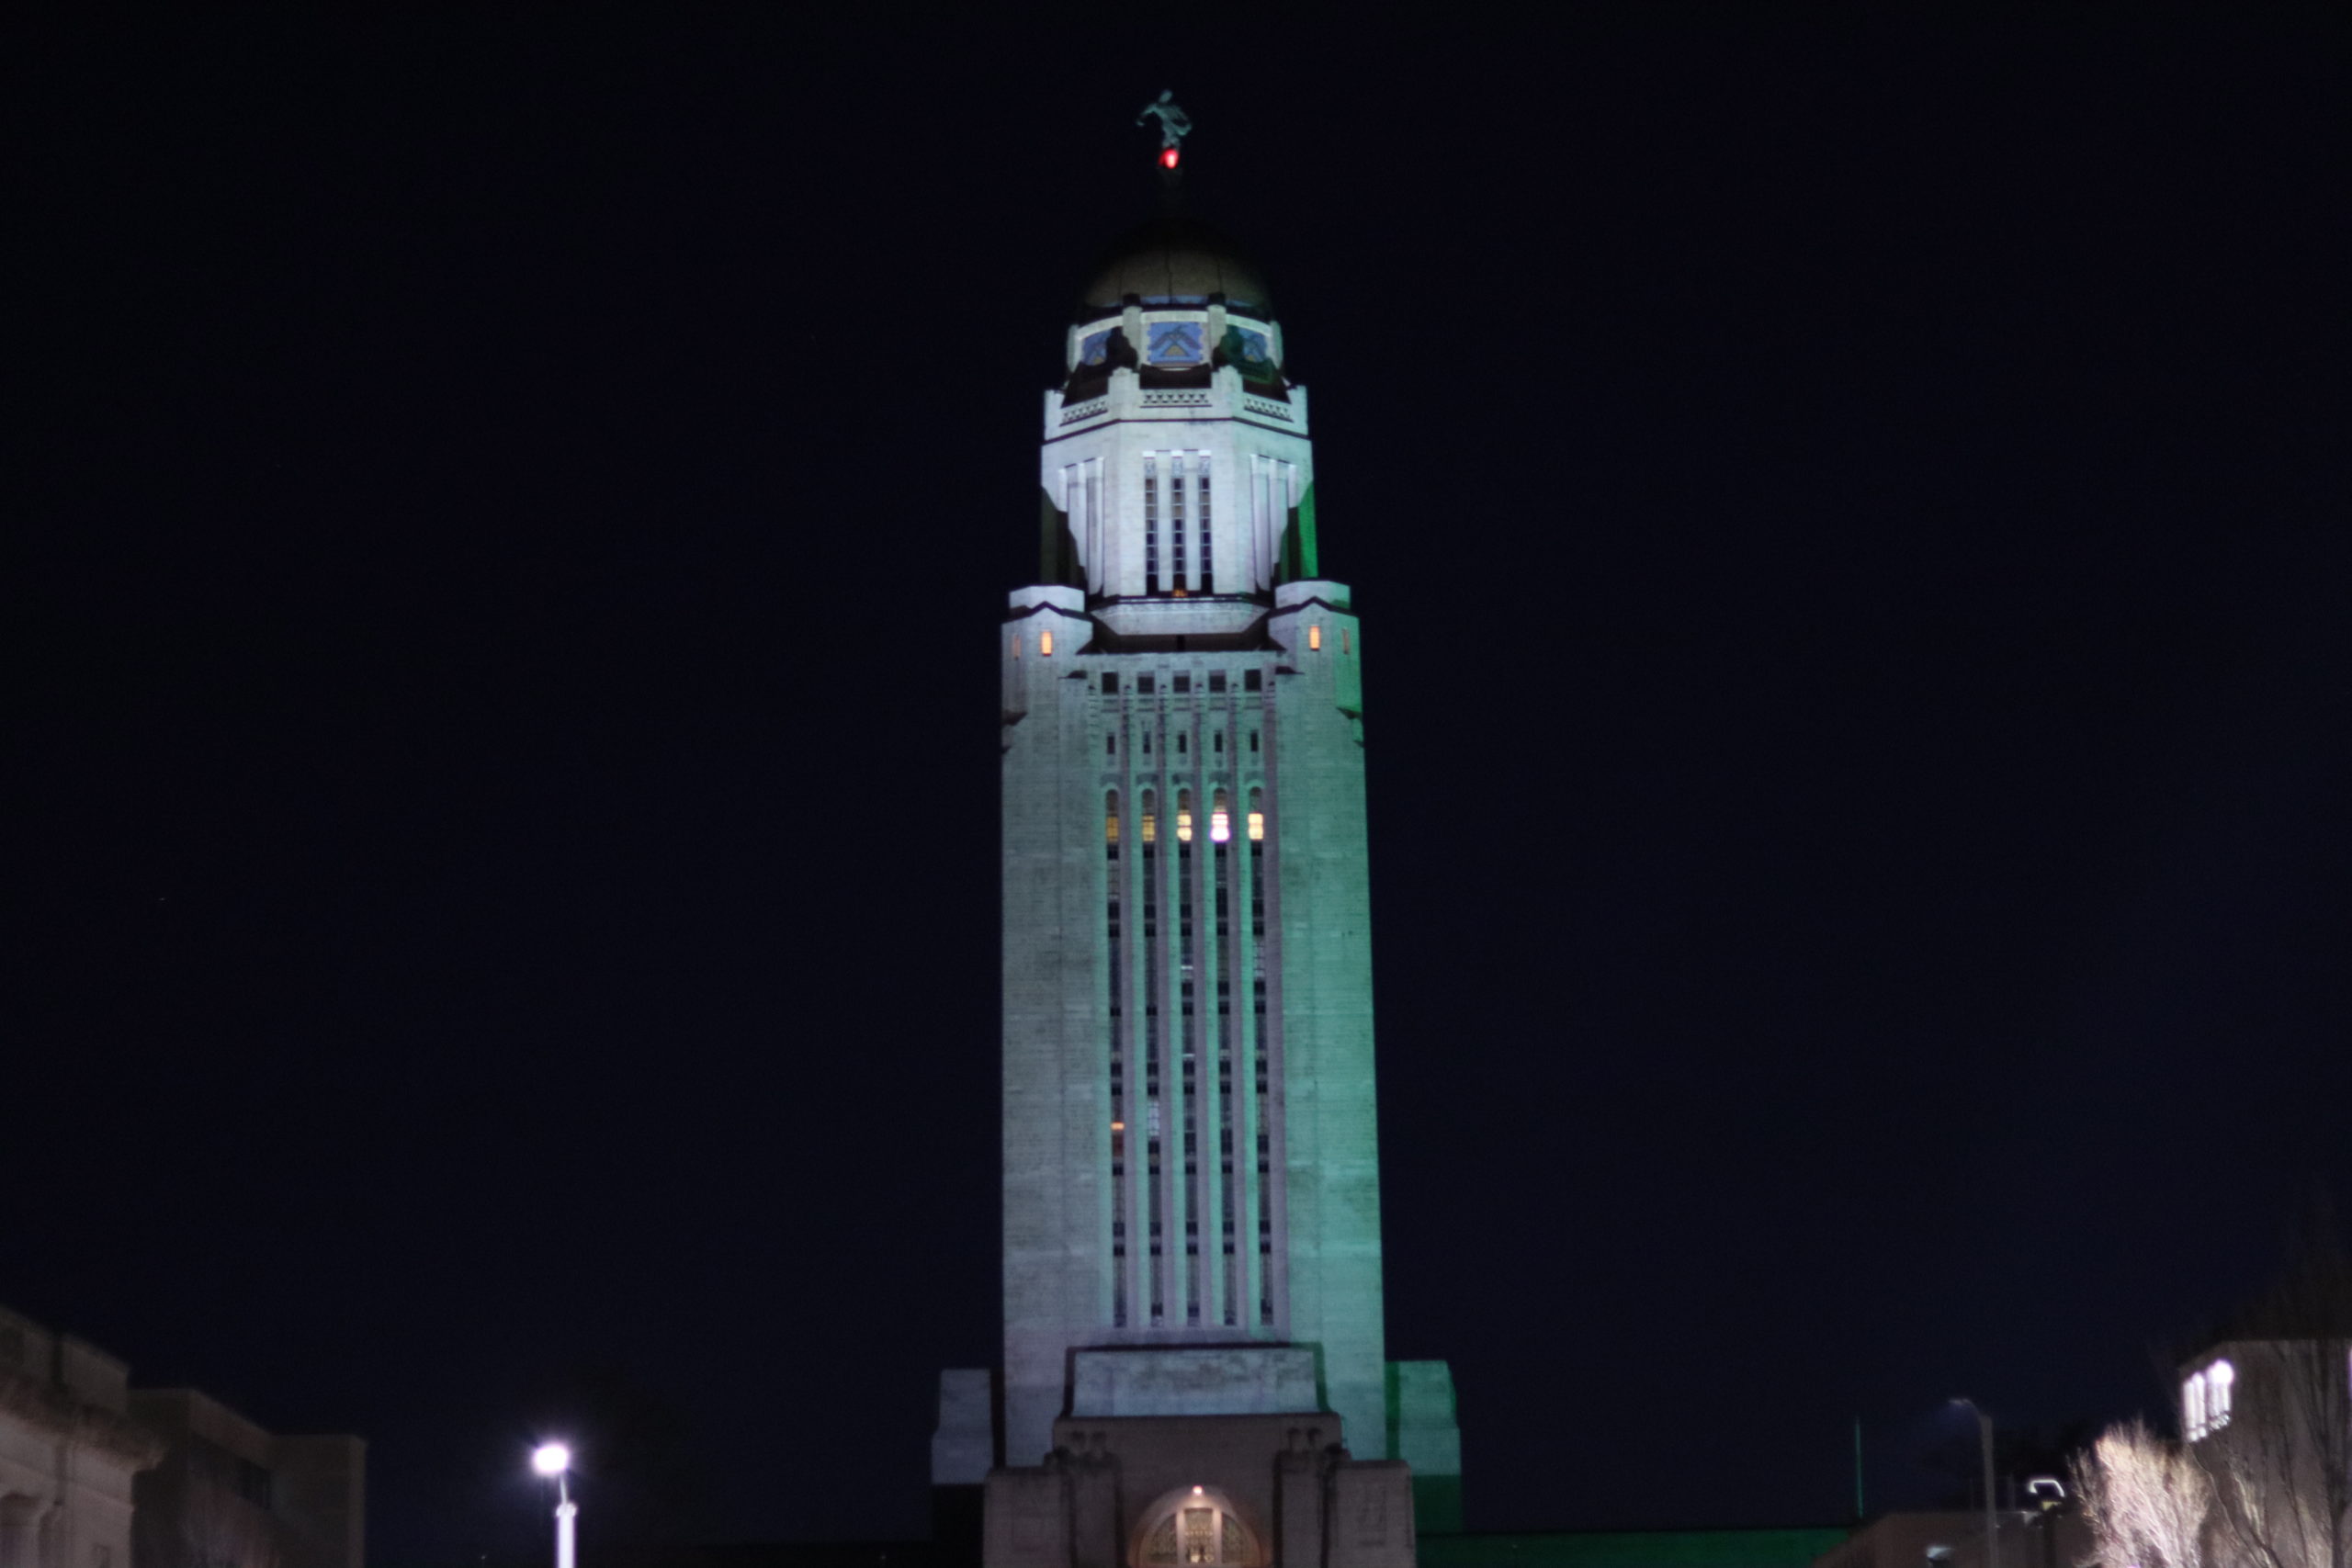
x=1045, y=644
x=1184, y=817
x=1220, y=819
x=2192, y=1406
x=1111, y=821
x=1256, y=816
x=1315, y=639
x=2219, y=1379
x=1150, y=822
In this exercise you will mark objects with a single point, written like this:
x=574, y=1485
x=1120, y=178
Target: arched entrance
x=1194, y=1526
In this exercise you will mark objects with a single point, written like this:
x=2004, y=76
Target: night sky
x=506, y=520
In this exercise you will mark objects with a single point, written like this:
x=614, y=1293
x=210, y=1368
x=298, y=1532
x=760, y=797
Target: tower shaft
x=1194, y=1358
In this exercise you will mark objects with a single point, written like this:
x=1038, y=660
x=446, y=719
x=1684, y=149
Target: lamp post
x=1992, y=1524
x=553, y=1460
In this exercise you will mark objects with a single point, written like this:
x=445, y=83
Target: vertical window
x=1262, y=525
x=1016, y=645
x=1347, y=643
x=1151, y=583
x=1094, y=534
x=1217, y=682
x=1110, y=683
x=1046, y=645
x=1155, y=1206
x=1201, y=513
x=1176, y=529
x=2219, y=1377
x=1115, y=970
x=1186, y=1133
x=1094, y=515
x=1315, y=639
x=2192, y=1406
x=1231, y=1275
x=1253, y=680
x=1261, y=1086
x=1074, y=498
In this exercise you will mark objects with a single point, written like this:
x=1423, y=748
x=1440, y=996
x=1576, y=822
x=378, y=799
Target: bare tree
x=2149, y=1504
x=2264, y=1478
x=2281, y=1458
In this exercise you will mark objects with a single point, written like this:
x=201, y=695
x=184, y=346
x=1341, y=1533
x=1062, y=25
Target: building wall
x=1957, y=1539
x=1287, y=724
x=68, y=1452
x=1331, y=1158
x=229, y=1492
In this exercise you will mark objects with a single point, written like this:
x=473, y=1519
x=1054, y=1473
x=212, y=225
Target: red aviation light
x=1167, y=157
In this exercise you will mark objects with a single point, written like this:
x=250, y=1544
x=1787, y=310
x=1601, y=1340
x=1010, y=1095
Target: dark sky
x=507, y=516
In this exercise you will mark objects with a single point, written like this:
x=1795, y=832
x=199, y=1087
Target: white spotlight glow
x=551, y=1458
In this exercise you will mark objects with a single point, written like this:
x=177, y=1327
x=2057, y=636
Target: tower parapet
x=1175, y=460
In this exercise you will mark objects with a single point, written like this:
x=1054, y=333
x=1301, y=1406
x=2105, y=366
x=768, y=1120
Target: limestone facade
x=95, y=1474
x=227, y=1492
x=1193, y=1338
x=69, y=1448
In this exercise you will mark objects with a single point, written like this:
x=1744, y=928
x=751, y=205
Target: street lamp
x=553, y=1460
x=1992, y=1525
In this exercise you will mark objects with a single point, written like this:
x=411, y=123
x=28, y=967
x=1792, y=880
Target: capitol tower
x=1195, y=1368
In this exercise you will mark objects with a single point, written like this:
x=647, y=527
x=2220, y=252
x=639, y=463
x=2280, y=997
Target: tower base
x=1220, y=1456
x=1172, y=1490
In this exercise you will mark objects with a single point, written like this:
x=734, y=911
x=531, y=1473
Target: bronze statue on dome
x=1174, y=123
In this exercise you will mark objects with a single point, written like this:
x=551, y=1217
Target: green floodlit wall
x=1632, y=1549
